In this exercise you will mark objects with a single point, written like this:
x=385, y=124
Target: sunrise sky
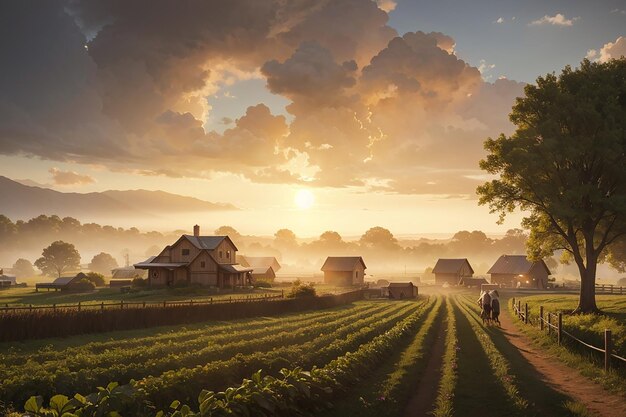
x=307, y=114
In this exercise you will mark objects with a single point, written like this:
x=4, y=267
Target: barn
x=7, y=280
x=264, y=268
x=518, y=271
x=263, y=273
x=61, y=283
x=344, y=271
x=451, y=271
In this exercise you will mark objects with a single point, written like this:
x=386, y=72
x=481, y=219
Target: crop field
x=433, y=355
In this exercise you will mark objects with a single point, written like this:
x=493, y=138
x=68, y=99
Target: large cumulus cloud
x=125, y=84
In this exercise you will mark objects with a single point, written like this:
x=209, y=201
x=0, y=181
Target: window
x=228, y=254
x=220, y=254
x=202, y=264
x=185, y=252
x=155, y=274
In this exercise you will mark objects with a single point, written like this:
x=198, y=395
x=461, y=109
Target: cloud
x=499, y=20
x=386, y=5
x=484, y=68
x=619, y=11
x=368, y=109
x=608, y=51
x=556, y=20
x=60, y=177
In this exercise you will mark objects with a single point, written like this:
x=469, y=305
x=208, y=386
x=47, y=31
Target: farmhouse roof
x=260, y=261
x=208, y=242
x=515, y=265
x=342, y=263
x=451, y=266
x=234, y=268
x=262, y=270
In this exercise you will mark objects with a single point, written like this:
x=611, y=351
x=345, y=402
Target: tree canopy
x=103, y=263
x=565, y=166
x=57, y=258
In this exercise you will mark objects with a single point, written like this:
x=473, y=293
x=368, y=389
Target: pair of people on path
x=489, y=301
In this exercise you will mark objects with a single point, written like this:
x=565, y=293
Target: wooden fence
x=126, y=305
x=60, y=322
x=610, y=289
x=554, y=325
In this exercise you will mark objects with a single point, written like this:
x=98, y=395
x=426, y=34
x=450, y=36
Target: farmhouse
x=344, y=271
x=518, y=271
x=61, y=283
x=400, y=290
x=451, y=271
x=7, y=280
x=263, y=267
x=195, y=259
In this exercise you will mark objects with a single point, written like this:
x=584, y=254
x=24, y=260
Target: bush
x=299, y=290
x=82, y=285
x=96, y=278
x=261, y=284
x=139, y=282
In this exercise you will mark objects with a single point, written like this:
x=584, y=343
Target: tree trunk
x=587, y=299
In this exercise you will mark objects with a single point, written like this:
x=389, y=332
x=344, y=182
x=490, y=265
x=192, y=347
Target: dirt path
x=563, y=379
x=423, y=402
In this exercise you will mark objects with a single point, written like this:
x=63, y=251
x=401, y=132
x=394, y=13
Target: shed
x=61, y=283
x=7, y=280
x=519, y=272
x=128, y=272
x=344, y=271
x=401, y=290
x=472, y=282
x=451, y=271
x=263, y=273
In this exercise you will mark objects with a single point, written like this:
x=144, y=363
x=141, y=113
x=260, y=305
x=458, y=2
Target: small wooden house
x=128, y=272
x=518, y=271
x=401, y=290
x=259, y=262
x=196, y=259
x=344, y=271
x=451, y=271
x=7, y=280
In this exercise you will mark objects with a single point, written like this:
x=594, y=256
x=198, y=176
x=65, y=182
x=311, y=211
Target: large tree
x=565, y=166
x=103, y=263
x=22, y=268
x=57, y=258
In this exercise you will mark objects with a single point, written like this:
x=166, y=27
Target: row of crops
x=180, y=365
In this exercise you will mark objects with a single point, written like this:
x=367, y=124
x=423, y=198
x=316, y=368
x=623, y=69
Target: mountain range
x=20, y=201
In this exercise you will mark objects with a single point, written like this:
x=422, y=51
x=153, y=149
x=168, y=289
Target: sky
x=311, y=115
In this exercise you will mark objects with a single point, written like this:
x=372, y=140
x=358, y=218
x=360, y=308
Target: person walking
x=485, y=304
x=495, y=306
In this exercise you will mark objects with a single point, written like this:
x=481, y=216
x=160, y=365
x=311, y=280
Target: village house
x=344, y=271
x=128, y=272
x=451, y=271
x=195, y=259
x=518, y=271
x=7, y=280
x=264, y=268
x=400, y=290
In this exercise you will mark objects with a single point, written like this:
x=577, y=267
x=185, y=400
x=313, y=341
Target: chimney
x=196, y=230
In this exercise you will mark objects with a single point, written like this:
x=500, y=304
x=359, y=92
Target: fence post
x=541, y=317
x=190, y=302
x=144, y=304
x=519, y=308
x=102, y=306
x=525, y=313
x=30, y=308
x=560, y=328
x=79, y=306
x=549, y=323
x=122, y=304
x=164, y=303
x=54, y=307
x=211, y=300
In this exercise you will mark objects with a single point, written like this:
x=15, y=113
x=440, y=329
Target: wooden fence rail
x=610, y=289
x=142, y=304
x=545, y=321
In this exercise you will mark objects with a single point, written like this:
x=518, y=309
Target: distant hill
x=19, y=201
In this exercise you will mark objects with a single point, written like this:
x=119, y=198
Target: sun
x=304, y=199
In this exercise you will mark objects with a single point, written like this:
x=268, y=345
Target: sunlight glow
x=304, y=199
